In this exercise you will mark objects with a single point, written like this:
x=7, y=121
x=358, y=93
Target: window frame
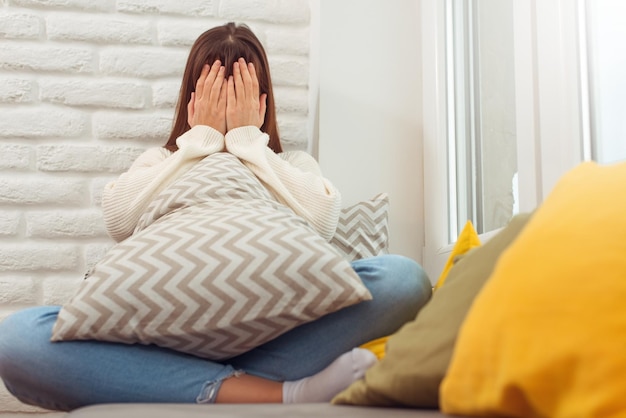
x=552, y=133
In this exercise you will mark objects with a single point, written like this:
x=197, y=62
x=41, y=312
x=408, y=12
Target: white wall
x=370, y=105
x=85, y=86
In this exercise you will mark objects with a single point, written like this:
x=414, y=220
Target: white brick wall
x=85, y=87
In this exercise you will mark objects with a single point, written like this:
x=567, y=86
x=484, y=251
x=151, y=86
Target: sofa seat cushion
x=314, y=410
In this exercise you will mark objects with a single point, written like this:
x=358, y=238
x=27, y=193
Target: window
x=504, y=109
x=604, y=53
x=482, y=150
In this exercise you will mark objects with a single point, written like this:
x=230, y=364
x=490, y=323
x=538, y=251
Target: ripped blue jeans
x=68, y=375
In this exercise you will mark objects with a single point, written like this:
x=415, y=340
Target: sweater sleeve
x=293, y=178
x=125, y=199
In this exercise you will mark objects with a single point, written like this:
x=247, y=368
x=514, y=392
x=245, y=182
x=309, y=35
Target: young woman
x=226, y=104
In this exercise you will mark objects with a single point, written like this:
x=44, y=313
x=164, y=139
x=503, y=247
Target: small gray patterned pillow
x=215, y=268
x=363, y=229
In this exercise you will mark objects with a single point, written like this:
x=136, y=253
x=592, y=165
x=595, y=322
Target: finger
x=221, y=102
x=231, y=103
x=254, y=80
x=217, y=84
x=239, y=88
x=231, y=97
x=200, y=82
x=191, y=109
x=262, y=109
x=246, y=78
x=221, y=106
x=210, y=79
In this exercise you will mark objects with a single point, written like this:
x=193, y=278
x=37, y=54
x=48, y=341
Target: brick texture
x=85, y=87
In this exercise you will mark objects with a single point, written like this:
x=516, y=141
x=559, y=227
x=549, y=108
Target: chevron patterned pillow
x=363, y=229
x=215, y=268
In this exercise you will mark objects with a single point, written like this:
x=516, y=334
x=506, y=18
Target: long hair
x=227, y=43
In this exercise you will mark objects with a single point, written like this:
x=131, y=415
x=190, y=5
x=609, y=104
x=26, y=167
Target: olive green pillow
x=417, y=356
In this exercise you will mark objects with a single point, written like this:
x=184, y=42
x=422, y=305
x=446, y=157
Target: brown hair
x=227, y=43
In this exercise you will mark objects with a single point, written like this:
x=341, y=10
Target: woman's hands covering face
x=245, y=105
x=208, y=103
x=227, y=104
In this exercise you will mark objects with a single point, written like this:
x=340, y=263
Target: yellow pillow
x=377, y=346
x=468, y=239
x=546, y=336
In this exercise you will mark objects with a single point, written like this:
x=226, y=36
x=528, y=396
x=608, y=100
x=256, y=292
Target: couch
x=531, y=323
x=246, y=410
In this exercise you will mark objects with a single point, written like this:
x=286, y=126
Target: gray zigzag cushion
x=363, y=229
x=215, y=268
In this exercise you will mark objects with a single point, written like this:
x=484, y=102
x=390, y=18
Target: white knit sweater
x=294, y=178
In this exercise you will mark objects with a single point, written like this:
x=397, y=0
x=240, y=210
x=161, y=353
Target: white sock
x=323, y=386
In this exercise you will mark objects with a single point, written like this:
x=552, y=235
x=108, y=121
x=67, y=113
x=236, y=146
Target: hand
x=244, y=107
x=207, y=105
